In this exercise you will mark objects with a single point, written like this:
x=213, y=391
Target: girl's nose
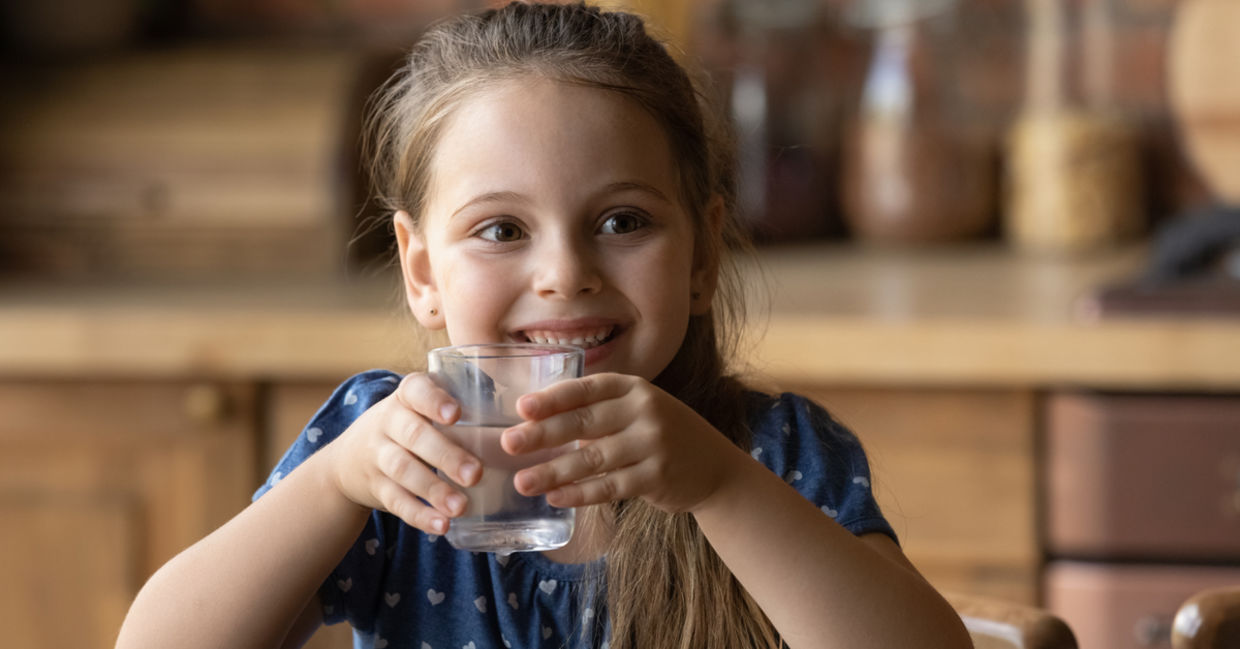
x=566, y=269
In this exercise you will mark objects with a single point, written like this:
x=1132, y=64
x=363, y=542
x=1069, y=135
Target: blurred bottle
x=1073, y=160
x=769, y=59
x=911, y=172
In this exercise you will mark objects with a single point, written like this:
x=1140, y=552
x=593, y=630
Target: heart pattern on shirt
x=435, y=598
x=380, y=643
x=314, y=434
x=426, y=646
x=345, y=584
x=793, y=476
x=481, y=604
x=371, y=546
x=547, y=586
x=830, y=512
x=392, y=599
x=469, y=646
x=756, y=453
x=350, y=399
x=861, y=480
x=512, y=601
x=546, y=631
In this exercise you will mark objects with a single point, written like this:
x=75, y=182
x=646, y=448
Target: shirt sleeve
x=352, y=589
x=821, y=458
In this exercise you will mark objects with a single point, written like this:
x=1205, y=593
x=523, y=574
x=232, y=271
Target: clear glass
x=487, y=380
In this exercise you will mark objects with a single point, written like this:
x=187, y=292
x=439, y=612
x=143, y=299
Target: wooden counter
x=963, y=316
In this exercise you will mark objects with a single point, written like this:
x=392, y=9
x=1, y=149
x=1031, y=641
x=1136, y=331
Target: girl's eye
x=623, y=223
x=502, y=232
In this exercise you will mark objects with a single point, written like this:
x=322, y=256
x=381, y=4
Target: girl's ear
x=415, y=267
x=705, y=274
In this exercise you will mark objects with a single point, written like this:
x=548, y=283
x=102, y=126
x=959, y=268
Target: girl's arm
x=819, y=584
x=810, y=575
x=247, y=582
x=252, y=582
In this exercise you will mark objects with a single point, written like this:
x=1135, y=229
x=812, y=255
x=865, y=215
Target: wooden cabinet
x=955, y=474
x=100, y=484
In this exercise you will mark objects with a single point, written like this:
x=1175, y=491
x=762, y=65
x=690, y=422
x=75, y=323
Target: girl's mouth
x=584, y=338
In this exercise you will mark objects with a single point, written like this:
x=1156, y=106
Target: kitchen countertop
x=976, y=316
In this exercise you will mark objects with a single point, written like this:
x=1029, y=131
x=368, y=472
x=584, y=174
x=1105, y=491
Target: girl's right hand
x=387, y=458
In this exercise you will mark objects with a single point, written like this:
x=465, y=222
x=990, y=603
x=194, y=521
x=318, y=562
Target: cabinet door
x=100, y=484
x=954, y=472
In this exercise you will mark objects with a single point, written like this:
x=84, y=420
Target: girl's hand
x=387, y=458
x=636, y=441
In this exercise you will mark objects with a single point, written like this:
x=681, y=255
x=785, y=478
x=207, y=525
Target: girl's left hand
x=636, y=441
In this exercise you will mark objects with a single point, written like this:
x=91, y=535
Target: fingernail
x=528, y=402
x=469, y=471
x=455, y=503
x=439, y=525
x=447, y=411
x=516, y=438
x=524, y=482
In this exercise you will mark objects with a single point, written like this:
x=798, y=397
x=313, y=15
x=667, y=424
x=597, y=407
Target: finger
x=603, y=456
x=592, y=421
x=571, y=394
x=610, y=487
x=413, y=476
x=404, y=505
x=432, y=446
x=419, y=393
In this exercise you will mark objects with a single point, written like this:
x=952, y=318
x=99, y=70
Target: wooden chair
x=1208, y=620
x=998, y=624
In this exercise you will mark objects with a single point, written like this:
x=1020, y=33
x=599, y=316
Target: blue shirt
x=402, y=588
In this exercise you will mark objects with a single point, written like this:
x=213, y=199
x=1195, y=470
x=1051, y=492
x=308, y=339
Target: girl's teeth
x=585, y=339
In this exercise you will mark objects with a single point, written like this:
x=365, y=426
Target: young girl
x=553, y=178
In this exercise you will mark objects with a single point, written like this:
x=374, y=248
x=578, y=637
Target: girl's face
x=554, y=215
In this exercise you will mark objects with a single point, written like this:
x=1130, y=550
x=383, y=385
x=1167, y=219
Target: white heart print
x=469, y=646
x=793, y=476
x=345, y=584
x=506, y=642
x=426, y=646
x=380, y=643
x=830, y=512
x=512, y=601
x=481, y=604
x=546, y=632
x=862, y=480
x=314, y=434
x=392, y=599
x=435, y=598
x=547, y=586
x=371, y=546
x=276, y=477
x=756, y=453
x=350, y=399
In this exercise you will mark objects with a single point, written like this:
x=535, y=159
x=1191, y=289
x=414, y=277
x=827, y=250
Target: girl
x=552, y=178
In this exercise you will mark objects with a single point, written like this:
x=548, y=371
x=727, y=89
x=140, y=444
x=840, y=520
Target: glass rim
x=507, y=350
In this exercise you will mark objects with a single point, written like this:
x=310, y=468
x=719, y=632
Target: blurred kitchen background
x=999, y=239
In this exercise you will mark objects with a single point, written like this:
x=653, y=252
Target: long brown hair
x=664, y=584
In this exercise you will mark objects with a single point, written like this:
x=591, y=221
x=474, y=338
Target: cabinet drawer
x=1143, y=476
x=1126, y=606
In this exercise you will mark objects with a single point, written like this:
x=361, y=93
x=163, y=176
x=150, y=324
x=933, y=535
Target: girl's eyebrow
x=633, y=185
x=491, y=197
x=612, y=188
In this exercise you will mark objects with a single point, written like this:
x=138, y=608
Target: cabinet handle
x=206, y=404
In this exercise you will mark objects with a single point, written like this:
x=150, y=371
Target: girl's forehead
x=535, y=132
